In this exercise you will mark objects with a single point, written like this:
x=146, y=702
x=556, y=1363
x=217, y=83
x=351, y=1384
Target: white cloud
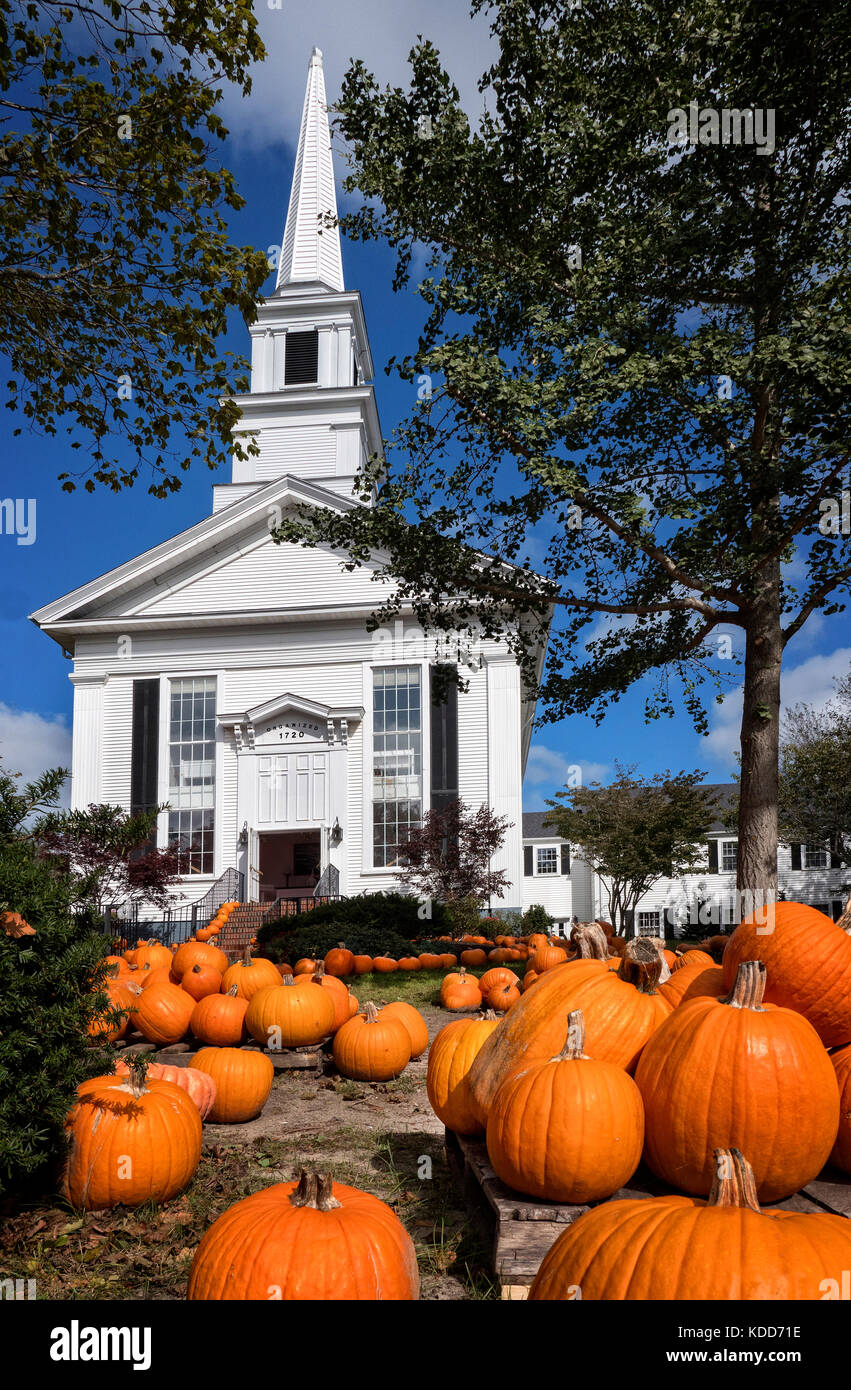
x=380, y=33
x=31, y=744
x=812, y=682
x=546, y=767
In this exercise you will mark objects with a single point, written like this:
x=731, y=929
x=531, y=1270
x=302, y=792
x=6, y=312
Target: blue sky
x=79, y=536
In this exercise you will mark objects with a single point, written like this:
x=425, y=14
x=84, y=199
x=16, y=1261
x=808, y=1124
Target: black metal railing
x=182, y=921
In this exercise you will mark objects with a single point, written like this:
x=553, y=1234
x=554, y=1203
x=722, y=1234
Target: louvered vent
x=302, y=359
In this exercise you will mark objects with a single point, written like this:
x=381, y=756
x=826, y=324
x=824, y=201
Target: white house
x=705, y=901
x=235, y=678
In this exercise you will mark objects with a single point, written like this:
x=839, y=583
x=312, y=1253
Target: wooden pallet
x=520, y=1230
x=287, y=1059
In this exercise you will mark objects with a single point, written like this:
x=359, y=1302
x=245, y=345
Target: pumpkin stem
x=641, y=965
x=590, y=941
x=748, y=986
x=488, y=1014
x=315, y=1190
x=371, y=1012
x=233, y=991
x=139, y=1063
x=574, y=1047
x=734, y=1184
x=246, y=956
x=319, y=971
x=287, y=980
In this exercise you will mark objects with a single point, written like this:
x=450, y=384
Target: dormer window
x=301, y=361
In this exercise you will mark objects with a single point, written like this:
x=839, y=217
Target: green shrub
x=374, y=917
x=46, y=1001
x=536, y=918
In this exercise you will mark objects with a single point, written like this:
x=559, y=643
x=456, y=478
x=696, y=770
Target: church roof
x=310, y=253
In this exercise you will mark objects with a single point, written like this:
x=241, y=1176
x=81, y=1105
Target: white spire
x=311, y=251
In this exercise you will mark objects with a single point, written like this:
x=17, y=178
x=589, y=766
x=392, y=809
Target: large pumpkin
x=683, y=1249
x=198, y=953
x=219, y=1019
x=243, y=1080
x=736, y=1073
x=152, y=954
x=132, y=1141
x=197, y=1084
x=306, y=1241
x=840, y=1154
x=622, y=1010
x=414, y=1022
x=337, y=991
x=162, y=1013
x=450, y=1058
x=288, y=1015
x=808, y=959
x=372, y=1046
x=568, y=1129
x=249, y=975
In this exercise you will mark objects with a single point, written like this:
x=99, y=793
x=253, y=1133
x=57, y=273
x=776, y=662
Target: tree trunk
x=756, y=871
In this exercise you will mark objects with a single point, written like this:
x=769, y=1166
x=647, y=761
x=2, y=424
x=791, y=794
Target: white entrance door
x=292, y=789
x=253, y=866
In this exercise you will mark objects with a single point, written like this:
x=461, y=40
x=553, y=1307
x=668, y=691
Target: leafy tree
x=116, y=269
x=634, y=832
x=638, y=351
x=448, y=857
x=815, y=773
x=111, y=855
x=48, y=988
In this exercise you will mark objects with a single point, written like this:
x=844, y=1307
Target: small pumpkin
x=219, y=1019
x=415, y=1025
x=162, y=1013
x=429, y=961
x=200, y=1087
x=201, y=980
x=567, y=1129
x=340, y=961
x=305, y=966
x=675, y=1248
x=250, y=974
x=693, y=957
x=498, y=976
x=460, y=991
x=372, y=1046
x=282, y=1016
x=197, y=953
x=112, y=1024
x=409, y=963
x=313, y=1240
x=548, y=957
x=243, y=1080
x=151, y=955
x=474, y=957
x=501, y=998
x=384, y=965
x=362, y=965
x=450, y=1058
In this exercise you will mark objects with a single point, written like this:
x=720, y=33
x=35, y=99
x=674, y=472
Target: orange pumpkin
x=201, y=980
x=384, y=965
x=567, y=1129
x=311, y=1240
x=285, y=1015
x=409, y=963
x=151, y=955
x=372, y=1046
x=450, y=1058
x=197, y=953
x=840, y=1154
x=690, y=980
x=200, y=1087
x=694, y=957
x=219, y=1019
x=162, y=1013
x=429, y=961
x=243, y=1080
x=112, y=1024
x=132, y=1141
x=448, y=961
x=305, y=966
x=363, y=965
x=684, y=1249
x=250, y=974
x=414, y=1022
x=336, y=989
x=737, y=1073
x=145, y=978
x=497, y=976
x=501, y=998
x=547, y=958
x=460, y=991
x=621, y=1012
x=808, y=960
x=340, y=961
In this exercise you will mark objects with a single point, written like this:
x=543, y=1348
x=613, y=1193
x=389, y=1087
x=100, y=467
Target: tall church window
x=397, y=772
x=192, y=771
x=301, y=358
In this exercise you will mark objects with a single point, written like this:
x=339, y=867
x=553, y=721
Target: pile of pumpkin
x=733, y=1082
x=167, y=996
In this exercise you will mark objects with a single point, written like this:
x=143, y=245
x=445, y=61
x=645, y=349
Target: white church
x=234, y=678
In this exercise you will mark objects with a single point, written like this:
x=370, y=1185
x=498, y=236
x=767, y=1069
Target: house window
x=397, y=764
x=648, y=924
x=729, y=854
x=815, y=857
x=548, y=860
x=192, y=772
x=301, y=361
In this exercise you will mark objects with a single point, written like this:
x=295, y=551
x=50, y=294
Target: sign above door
x=291, y=721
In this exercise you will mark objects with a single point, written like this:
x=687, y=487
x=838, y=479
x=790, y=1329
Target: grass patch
x=417, y=987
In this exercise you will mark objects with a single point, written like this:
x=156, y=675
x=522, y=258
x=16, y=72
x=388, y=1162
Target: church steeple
x=310, y=254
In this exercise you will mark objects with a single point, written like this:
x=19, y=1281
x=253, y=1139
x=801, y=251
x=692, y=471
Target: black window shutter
x=565, y=859
x=796, y=856
x=835, y=861
x=713, y=856
x=301, y=362
x=527, y=861
x=144, y=747
x=629, y=919
x=444, y=744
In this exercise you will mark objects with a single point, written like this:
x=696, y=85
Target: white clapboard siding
x=335, y=685
x=115, y=741
x=473, y=740
x=86, y=757
x=552, y=891
x=309, y=451
x=227, y=829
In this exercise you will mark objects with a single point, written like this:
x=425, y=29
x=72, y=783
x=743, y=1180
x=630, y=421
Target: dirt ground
x=382, y=1138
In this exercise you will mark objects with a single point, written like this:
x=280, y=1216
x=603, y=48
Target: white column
x=504, y=771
